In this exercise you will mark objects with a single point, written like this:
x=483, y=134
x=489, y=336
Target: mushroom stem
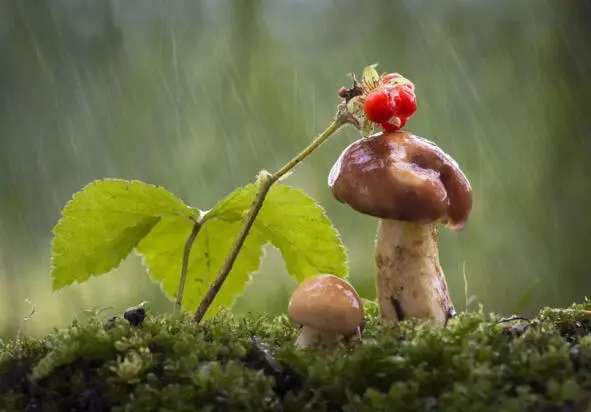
x=310, y=336
x=409, y=280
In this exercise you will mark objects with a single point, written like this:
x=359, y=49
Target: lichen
x=476, y=363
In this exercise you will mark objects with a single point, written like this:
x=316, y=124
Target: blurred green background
x=200, y=95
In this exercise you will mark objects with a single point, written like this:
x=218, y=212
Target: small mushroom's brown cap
x=327, y=302
x=400, y=176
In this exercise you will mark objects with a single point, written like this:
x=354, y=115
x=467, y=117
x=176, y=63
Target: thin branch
x=265, y=181
x=197, y=223
x=513, y=319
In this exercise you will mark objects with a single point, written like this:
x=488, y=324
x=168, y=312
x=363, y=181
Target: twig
x=259, y=358
x=513, y=319
x=269, y=363
x=197, y=223
x=265, y=181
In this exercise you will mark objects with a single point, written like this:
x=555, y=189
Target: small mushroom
x=327, y=307
x=412, y=186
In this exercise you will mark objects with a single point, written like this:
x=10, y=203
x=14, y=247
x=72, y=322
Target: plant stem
x=265, y=181
x=197, y=223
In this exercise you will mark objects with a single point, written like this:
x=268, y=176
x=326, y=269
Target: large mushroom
x=327, y=308
x=412, y=186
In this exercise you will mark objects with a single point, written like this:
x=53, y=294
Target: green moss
x=168, y=363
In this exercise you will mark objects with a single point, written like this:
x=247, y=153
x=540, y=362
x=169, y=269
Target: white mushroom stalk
x=310, y=336
x=412, y=187
x=409, y=279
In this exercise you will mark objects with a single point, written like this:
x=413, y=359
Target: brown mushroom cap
x=326, y=302
x=400, y=176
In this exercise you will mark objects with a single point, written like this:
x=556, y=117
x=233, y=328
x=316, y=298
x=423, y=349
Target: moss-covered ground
x=476, y=363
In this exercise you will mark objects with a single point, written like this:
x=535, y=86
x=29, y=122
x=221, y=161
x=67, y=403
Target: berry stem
x=197, y=223
x=265, y=180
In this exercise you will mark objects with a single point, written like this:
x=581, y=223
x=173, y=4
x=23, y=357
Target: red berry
x=391, y=76
x=389, y=127
x=394, y=79
x=405, y=101
x=378, y=106
x=403, y=121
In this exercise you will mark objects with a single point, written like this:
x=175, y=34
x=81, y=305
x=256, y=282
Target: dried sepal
x=370, y=78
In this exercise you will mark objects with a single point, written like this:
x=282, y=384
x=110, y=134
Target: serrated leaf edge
x=332, y=227
x=94, y=275
x=215, y=211
x=234, y=216
x=197, y=214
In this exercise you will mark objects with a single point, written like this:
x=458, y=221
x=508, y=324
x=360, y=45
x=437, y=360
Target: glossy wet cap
x=327, y=302
x=400, y=176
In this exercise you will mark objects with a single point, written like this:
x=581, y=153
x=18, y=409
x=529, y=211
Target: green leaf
x=295, y=224
x=102, y=224
x=162, y=252
x=235, y=205
x=298, y=226
x=289, y=219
